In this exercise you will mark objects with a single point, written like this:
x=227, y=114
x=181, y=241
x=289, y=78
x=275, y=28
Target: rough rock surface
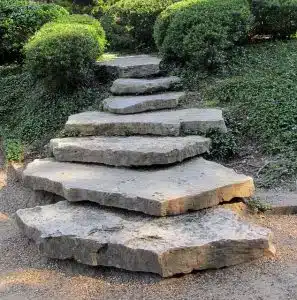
x=129, y=151
x=132, y=86
x=135, y=66
x=192, y=185
x=164, y=123
x=91, y=235
x=136, y=104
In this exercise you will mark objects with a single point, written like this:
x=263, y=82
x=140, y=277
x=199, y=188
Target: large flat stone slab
x=131, y=86
x=134, y=66
x=136, y=104
x=129, y=151
x=94, y=236
x=192, y=185
x=163, y=123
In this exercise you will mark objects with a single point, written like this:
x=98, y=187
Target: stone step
x=129, y=151
x=163, y=123
x=131, y=86
x=91, y=235
x=136, y=104
x=134, y=66
x=192, y=185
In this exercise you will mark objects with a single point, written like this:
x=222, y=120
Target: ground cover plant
x=259, y=95
x=32, y=115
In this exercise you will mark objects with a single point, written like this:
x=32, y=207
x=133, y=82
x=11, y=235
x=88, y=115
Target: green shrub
x=67, y=4
x=95, y=8
x=134, y=20
x=62, y=55
x=87, y=20
x=275, y=17
x=165, y=18
x=19, y=21
x=202, y=33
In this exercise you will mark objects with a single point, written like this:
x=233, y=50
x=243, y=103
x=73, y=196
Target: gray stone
x=129, y=151
x=135, y=66
x=192, y=185
x=144, y=86
x=164, y=123
x=280, y=202
x=136, y=104
x=94, y=236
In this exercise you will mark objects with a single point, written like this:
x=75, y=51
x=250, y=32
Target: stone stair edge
x=129, y=151
x=166, y=246
x=189, y=121
x=192, y=185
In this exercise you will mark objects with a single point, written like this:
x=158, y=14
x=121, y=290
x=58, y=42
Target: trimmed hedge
x=201, y=33
x=19, y=20
x=62, y=55
x=132, y=22
x=164, y=19
x=90, y=21
x=275, y=17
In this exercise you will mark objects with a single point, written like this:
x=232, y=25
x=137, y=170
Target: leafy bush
x=14, y=150
x=62, y=55
x=19, y=21
x=87, y=20
x=201, y=33
x=134, y=20
x=95, y=8
x=165, y=18
x=275, y=17
x=7, y=6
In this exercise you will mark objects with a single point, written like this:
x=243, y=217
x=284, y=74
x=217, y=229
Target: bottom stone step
x=212, y=238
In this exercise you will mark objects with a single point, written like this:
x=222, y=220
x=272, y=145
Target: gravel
x=24, y=274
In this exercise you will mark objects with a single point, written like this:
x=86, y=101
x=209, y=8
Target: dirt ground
x=25, y=274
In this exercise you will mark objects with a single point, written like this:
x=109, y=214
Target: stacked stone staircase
x=139, y=159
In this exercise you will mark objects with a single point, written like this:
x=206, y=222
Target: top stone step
x=136, y=66
x=136, y=104
x=132, y=86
